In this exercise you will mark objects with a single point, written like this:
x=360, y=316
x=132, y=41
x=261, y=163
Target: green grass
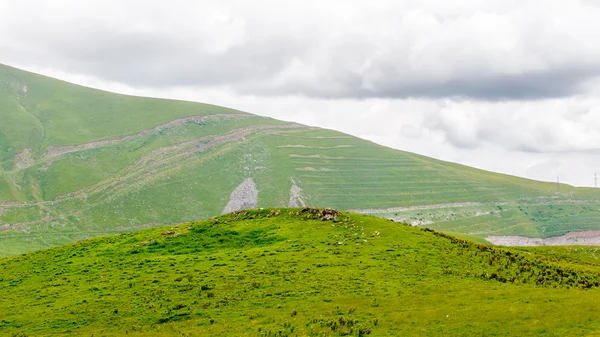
x=579, y=254
x=146, y=175
x=533, y=220
x=288, y=272
x=72, y=114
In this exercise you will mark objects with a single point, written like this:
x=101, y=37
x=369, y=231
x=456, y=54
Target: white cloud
x=481, y=49
x=505, y=85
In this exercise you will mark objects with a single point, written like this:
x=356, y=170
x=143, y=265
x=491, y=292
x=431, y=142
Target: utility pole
x=595, y=179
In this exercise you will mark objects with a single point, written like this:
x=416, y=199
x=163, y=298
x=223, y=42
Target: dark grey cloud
x=527, y=86
x=157, y=60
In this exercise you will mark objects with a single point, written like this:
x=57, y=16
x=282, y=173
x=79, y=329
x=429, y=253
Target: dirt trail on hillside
x=159, y=164
x=300, y=146
x=25, y=159
x=540, y=201
x=584, y=238
x=314, y=156
x=432, y=206
x=162, y=162
x=54, y=151
x=23, y=226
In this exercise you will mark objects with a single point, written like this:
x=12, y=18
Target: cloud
x=484, y=50
x=549, y=126
x=505, y=85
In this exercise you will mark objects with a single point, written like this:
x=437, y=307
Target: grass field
x=289, y=272
x=542, y=219
x=76, y=163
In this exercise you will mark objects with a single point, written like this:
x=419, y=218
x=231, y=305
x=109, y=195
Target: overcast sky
x=505, y=85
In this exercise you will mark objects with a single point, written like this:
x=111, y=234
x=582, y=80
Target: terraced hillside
x=77, y=162
x=295, y=272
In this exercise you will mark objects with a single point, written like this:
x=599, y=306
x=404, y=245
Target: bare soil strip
x=54, y=151
x=420, y=207
x=25, y=160
x=584, y=238
x=539, y=201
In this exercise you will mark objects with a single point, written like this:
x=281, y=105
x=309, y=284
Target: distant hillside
x=294, y=272
x=77, y=162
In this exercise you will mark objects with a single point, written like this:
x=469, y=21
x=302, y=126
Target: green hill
x=77, y=162
x=295, y=272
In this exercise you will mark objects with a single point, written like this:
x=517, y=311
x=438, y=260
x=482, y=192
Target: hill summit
x=294, y=272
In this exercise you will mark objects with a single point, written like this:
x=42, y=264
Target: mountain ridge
x=77, y=162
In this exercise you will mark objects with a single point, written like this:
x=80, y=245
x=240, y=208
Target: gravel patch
x=296, y=196
x=24, y=159
x=245, y=196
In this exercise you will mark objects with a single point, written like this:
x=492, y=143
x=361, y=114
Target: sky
x=511, y=86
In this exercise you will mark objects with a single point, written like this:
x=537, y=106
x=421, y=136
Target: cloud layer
x=486, y=50
x=506, y=85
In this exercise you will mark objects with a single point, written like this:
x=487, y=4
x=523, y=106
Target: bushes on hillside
x=502, y=265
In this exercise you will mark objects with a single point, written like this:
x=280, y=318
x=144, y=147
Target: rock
x=245, y=196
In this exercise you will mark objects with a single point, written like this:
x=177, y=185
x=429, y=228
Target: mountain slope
x=288, y=272
x=77, y=162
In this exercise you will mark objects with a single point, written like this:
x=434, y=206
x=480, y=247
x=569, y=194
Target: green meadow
x=297, y=272
x=110, y=225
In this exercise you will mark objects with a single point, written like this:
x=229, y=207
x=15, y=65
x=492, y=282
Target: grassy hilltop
x=296, y=272
x=77, y=162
